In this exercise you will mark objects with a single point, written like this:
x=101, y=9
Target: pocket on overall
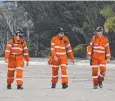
x=19, y=57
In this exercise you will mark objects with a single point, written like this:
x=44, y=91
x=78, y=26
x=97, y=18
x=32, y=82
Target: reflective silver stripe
x=9, y=45
x=16, y=48
x=20, y=68
x=63, y=65
x=107, y=45
x=98, y=51
x=60, y=53
x=89, y=53
x=52, y=43
x=25, y=53
x=108, y=55
x=15, y=44
x=7, y=51
x=95, y=77
x=94, y=66
x=60, y=47
x=64, y=76
x=69, y=51
x=90, y=43
x=10, y=78
x=52, y=49
x=11, y=68
x=68, y=45
x=15, y=53
x=96, y=47
x=19, y=79
x=55, y=66
x=102, y=65
x=101, y=75
x=55, y=76
x=25, y=47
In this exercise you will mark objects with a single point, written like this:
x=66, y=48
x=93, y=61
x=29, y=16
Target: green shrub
x=80, y=51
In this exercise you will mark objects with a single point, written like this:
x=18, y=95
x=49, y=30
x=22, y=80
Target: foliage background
x=40, y=19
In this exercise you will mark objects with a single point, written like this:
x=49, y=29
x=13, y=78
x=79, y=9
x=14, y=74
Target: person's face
x=99, y=34
x=61, y=34
x=18, y=36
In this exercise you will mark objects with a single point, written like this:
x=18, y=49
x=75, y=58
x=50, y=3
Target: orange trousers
x=61, y=64
x=98, y=70
x=15, y=65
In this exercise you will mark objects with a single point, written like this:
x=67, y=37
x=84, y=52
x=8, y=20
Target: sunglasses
x=61, y=33
x=19, y=34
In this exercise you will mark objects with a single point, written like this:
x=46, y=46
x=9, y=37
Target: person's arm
x=107, y=51
x=90, y=48
x=25, y=52
x=7, y=50
x=53, y=53
x=69, y=50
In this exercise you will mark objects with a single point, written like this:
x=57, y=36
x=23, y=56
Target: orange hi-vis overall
x=60, y=48
x=99, y=51
x=16, y=52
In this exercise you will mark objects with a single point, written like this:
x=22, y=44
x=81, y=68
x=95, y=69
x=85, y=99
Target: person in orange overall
x=99, y=53
x=59, y=46
x=15, y=53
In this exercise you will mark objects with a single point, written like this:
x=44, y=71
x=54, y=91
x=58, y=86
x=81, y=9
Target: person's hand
x=72, y=60
x=55, y=59
x=108, y=60
x=6, y=60
x=89, y=57
x=27, y=63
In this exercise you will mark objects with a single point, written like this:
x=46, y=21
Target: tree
x=109, y=25
x=40, y=19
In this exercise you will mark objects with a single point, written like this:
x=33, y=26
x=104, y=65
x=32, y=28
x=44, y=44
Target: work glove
x=50, y=61
x=108, y=60
x=72, y=60
x=55, y=59
x=27, y=63
x=6, y=60
x=89, y=57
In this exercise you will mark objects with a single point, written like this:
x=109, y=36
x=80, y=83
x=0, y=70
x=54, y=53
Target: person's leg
x=64, y=75
x=19, y=72
x=54, y=75
x=95, y=64
x=102, y=72
x=10, y=72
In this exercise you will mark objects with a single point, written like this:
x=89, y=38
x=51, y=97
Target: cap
x=60, y=29
x=99, y=29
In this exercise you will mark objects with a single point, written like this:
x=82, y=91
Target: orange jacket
x=60, y=47
x=15, y=48
x=99, y=48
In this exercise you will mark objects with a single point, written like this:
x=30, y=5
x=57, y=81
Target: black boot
x=53, y=85
x=100, y=84
x=19, y=87
x=64, y=86
x=95, y=87
x=9, y=86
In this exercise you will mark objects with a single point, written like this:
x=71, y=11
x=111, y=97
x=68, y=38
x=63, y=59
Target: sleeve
x=8, y=48
x=90, y=47
x=107, y=50
x=69, y=50
x=25, y=52
x=53, y=53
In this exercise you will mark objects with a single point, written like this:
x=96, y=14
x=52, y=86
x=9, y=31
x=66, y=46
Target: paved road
x=37, y=84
